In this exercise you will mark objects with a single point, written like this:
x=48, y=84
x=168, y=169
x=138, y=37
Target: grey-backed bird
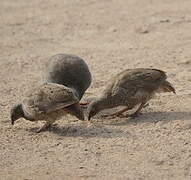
x=71, y=71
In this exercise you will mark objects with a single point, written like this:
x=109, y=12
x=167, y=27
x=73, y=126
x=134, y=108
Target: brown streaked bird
x=70, y=71
x=130, y=88
x=47, y=102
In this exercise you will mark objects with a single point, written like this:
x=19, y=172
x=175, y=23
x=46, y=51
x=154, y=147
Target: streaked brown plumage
x=48, y=103
x=130, y=88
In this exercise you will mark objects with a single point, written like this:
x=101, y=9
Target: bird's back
x=134, y=85
x=140, y=78
x=47, y=98
x=68, y=70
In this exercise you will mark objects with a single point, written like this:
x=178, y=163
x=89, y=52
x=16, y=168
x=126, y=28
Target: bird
x=68, y=70
x=71, y=71
x=47, y=102
x=130, y=88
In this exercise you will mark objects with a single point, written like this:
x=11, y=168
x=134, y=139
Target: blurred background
x=110, y=35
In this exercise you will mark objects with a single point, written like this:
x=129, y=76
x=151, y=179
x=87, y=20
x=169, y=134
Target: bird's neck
x=104, y=103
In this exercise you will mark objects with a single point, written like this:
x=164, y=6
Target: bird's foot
x=112, y=116
x=134, y=115
x=44, y=127
x=108, y=116
x=146, y=105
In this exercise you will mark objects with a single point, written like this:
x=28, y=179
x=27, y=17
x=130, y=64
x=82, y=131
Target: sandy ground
x=110, y=35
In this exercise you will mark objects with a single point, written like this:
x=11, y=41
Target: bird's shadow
x=100, y=128
x=81, y=130
x=152, y=117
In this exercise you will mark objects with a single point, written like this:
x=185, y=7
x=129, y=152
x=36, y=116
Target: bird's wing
x=49, y=97
x=148, y=79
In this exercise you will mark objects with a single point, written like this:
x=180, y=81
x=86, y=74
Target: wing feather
x=148, y=79
x=48, y=98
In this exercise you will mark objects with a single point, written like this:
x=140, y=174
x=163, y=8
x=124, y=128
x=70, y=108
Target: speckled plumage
x=130, y=88
x=46, y=102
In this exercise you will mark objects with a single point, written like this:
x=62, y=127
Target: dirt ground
x=111, y=35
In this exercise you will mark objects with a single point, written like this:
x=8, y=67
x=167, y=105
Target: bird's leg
x=135, y=114
x=145, y=105
x=44, y=127
x=47, y=125
x=118, y=113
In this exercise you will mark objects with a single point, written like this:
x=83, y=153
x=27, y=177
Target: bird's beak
x=80, y=115
x=80, y=112
x=12, y=120
x=89, y=117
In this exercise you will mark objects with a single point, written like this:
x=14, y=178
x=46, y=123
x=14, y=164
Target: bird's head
x=79, y=113
x=16, y=113
x=93, y=108
x=75, y=110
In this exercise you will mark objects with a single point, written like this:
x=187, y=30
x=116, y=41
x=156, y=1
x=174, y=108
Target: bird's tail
x=167, y=87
